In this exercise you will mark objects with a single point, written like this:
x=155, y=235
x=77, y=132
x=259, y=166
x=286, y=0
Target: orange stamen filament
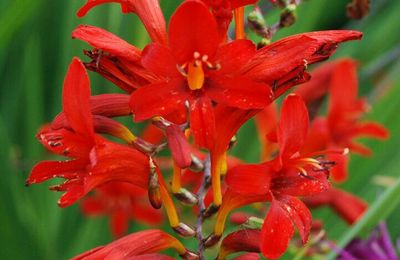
x=239, y=23
x=216, y=166
x=176, y=179
x=169, y=207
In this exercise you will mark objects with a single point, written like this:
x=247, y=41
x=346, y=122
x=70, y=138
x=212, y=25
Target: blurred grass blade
x=378, y=211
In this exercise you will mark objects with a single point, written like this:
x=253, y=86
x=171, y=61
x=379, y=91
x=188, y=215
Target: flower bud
x=211, y=240
x=210, y=211
x=184, y=230
x=186, y=197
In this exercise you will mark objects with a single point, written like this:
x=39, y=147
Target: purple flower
x=377, y=247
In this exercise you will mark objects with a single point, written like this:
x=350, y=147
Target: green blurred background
x=35, y=50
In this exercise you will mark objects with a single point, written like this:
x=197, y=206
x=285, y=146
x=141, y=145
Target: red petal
x=152, y=17
x=92, y=206
x=65, y=142
x=228, y=121
x=293, y=126
x=318, y=86
x=76, y=96
x=245, y=240
x=108, y=105
x=113, y=71
x=106, y=41
x=370, y=129
x=149, y=12
x=239, y=92
x=179, y=146
x=276, y=231
x=249, y=179
x=359, y=148
x=299, y=213
x=152, y=134
x=233, y=55
x=151, y=257
x=140, y=243
x=297, y=185
x=343, y=87
x=202, y=122
x=92, y=3
x=158, y=59
x=51, y=169
x=277, y=59
x=348, y=206
x=192, y=28
x=266, y=122
x=158, y=99
x=119, y=222
x=318, y=138
x=115, y=162
x=74, y=191
x=339, y=172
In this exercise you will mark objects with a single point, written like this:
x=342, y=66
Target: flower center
x=194, y=71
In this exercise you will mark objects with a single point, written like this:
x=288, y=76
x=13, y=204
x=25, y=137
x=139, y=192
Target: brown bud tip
x=188, y=255
x=210, y=211
x=184, y=230
x=288, y=18
x=357, y=9
x=211, y=240
x=186, y=197
x=155, y=198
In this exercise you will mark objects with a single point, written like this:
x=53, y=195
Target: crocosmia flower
x=282, y=180
x=342, y=126
x=94, y=160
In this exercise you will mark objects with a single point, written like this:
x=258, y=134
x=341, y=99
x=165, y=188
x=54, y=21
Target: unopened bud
x=197, y=165
x=154, y=187
x=232, y=142
x=184, y=230
x=211, y=210
x=264, y=42
x=189, y=255
x=357, y=9
x=211, y=240
x=186, y=197
x=288, y=16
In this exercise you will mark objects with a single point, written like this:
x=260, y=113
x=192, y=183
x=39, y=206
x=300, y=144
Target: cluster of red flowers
x=196, y=87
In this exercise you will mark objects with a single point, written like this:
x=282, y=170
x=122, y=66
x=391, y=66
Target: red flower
x=93, y=157
x=141, y=245
x=122, y=202
x=342, y=125
x=197, y=69
x=281, y=180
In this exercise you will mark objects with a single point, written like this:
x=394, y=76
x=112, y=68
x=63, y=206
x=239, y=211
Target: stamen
x=195, y=77
x=204, y=58
x=181, y=69
x=196, y=55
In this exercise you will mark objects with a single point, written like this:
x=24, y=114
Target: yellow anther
x=195, y=77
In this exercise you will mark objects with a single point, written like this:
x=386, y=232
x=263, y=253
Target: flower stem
x=201, y=195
